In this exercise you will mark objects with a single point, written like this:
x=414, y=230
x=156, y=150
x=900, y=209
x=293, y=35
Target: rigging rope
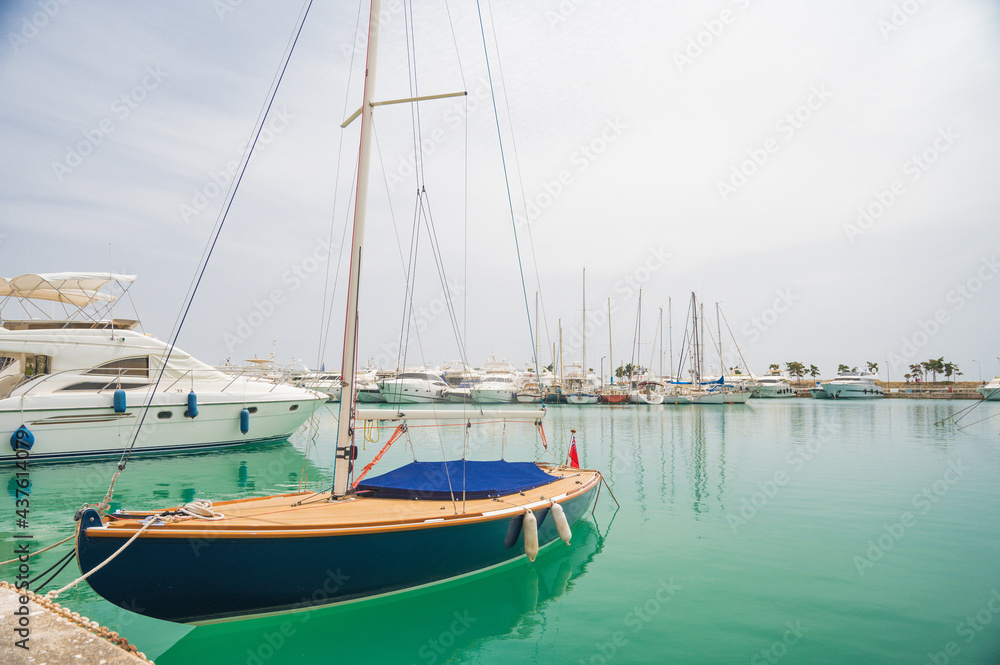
x=200, y=273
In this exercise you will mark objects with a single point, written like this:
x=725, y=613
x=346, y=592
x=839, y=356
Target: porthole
x=251, y=409
x=165, y=415
x=293, y=407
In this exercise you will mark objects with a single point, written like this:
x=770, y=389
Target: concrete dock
x=40, y=632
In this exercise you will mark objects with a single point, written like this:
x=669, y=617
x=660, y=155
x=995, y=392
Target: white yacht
x=853, y=385
x=413, y=387
x=80, y=387
x=328, y=383
x=991, y=391
x=771, y=386
x=498, y=384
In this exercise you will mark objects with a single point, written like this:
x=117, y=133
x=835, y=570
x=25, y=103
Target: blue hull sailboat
x=419, y=525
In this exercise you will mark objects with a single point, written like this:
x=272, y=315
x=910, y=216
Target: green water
x=795, y=531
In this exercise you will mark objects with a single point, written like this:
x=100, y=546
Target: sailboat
x=715, y=392
x=582, y=391
x=418, y=525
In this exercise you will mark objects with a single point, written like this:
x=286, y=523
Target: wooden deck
x=277, y=516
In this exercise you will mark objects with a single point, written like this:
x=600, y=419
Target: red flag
x=574, y=461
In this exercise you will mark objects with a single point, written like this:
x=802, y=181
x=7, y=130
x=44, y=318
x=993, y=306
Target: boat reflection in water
x=427, y=625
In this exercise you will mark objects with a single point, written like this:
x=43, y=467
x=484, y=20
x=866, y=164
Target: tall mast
x=660, y=326
x=638, y=334
x=345, y=427
x=670, y=335
x=583, y=364
x=611, y=358
x=694, y=339
x=718, y=325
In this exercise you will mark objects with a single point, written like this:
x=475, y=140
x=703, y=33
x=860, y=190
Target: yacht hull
x=69, y=432
x=205, y=574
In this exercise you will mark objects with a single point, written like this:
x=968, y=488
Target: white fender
x=530, y=535
x=562, y=524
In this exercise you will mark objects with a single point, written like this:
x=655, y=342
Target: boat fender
x=245, y=420
x=192, y=410
x=513, y=532
x=22, y=439
x=119, y=401
x=562, y=524
x=530, y=535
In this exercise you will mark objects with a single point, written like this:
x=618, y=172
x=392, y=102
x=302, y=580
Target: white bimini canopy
x=74, y=288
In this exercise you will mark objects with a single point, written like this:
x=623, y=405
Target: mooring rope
x=4, y=563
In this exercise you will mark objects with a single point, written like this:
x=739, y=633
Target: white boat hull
x=772, y=392
x=840, y=391
x=491, y=396
x=720, y=397
x=396, y=394
x=93, y=431
x=582, y=398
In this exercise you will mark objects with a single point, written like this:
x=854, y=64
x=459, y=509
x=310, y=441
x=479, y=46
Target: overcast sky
x=827, y=171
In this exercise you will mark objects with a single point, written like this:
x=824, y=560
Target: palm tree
x=933, y=366
x=917, y=370
x=773, y=367
x=813, y=371
x=795, y=369
x=872, y=367
x=907, y=377
x=843, y=368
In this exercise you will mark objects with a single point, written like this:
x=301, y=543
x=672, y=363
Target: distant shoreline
x=911, y=390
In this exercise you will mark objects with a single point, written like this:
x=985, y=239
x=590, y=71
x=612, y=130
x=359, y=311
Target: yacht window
x=251, y=409
x=165, y=415
x=293, y=407
x=36, y=365
x=101, y=385
x=124, y=367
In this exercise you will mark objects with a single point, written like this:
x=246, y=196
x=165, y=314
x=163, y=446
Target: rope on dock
x=82, y=621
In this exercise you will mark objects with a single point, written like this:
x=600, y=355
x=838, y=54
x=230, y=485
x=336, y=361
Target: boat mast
x=694, y=339
x=659, y=325
x=611, y=358
x=345, y=428
x=583, y=364
x=670, y=335
x=718, y=325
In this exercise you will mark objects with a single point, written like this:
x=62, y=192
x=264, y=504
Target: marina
x=369, y=413
x=734, y=524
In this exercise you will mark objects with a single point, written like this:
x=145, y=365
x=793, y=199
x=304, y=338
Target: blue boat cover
x=480, y=480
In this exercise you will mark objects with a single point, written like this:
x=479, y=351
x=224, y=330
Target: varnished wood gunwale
x=268, y=517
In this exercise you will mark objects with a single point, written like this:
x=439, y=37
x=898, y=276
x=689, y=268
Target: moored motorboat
x=82, y=385
x=853, y=385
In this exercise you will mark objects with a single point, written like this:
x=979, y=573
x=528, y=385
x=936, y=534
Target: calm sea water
x=795, y=531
